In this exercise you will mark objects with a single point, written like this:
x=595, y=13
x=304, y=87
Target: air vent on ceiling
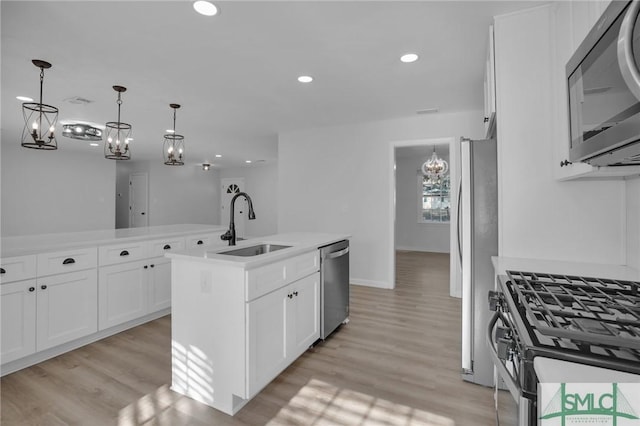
x=78, y=100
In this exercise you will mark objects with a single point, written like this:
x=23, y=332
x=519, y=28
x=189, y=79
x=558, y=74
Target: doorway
x=231, y=187
x=138, y=200
x=424, y=211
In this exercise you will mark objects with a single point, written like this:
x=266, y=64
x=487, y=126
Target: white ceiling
x=235, y=74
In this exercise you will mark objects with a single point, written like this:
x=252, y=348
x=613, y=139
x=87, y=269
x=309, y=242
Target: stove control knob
x=505, y=349
x=495, y=300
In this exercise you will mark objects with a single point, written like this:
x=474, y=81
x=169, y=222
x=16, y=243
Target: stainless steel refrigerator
x=477, y=243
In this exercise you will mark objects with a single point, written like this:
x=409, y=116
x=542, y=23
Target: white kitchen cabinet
x=159, y=284
x=490, y=88
x=280, y=327
x=207, y=239
x=122, y=293
x=18, y=315
x=67, y=307
x=17, y=268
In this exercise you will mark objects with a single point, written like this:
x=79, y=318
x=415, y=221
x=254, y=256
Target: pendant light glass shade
x=39, y=119
x=435, y=167
x=118, y=134
x=173, y=144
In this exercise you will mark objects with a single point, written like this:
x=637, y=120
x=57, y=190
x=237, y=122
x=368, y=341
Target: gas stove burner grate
x=583, y=309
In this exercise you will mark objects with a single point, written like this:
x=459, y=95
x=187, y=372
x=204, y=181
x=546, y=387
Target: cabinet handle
x=199, y=242
x=32, y=289
x=166, y=247
x=295, y=293
x=565, y=163
x=145, y=266
x=124, y=253
x=290, y=296
x=44, y=287
x=2, y=271
x=486, y=119
x=68, y=261
x=152, y=265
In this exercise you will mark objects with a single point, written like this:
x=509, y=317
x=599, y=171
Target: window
x=434, y=202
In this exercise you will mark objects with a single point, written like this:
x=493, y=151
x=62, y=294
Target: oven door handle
x=626, y=60
x=509, y=381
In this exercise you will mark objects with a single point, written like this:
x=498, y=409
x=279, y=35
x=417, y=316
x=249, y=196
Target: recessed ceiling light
x=170, y=131
x=24, y=98
x=305, y=79
x=205, y=8
x=218, y=156
x=94, y=144
x=409, y=57
x=247, y=161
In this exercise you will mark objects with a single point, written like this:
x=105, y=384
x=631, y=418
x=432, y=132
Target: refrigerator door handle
x=459, y=221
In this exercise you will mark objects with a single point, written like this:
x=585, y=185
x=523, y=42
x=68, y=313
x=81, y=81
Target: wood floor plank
x=397, y=362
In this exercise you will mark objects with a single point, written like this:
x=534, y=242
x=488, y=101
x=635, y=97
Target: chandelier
x=435, y=167
x=173, y=144
x=39, y=119
x=116, y=145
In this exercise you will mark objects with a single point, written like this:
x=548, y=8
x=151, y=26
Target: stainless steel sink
x=254, y=250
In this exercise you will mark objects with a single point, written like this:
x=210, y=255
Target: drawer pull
x=198, y=243
x=124, y=253
x=32, y=289
x=44, y=287
x=152, y=265
x=2, y=271
x=295, y=293
x=166, y=247
x=146, y=266
x=68, y=261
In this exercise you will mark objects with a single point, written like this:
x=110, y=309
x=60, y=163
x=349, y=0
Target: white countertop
x=29, y=244
x=620, y=272
x=300, y=242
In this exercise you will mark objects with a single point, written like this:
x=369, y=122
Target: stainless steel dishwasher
x=334, y=286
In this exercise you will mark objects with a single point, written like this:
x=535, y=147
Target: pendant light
x=116, y=145
x=435, y=167
x=173, y=144
x=39, y=118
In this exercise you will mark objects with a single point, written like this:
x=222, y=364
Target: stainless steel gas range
x=544, y=321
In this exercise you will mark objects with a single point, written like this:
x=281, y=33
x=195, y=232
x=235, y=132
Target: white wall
x=177, y=194
x=633, y=222
x=261, y=183
x=539, y=216
x=55, y=191
x=338, y=179
x=411, y=235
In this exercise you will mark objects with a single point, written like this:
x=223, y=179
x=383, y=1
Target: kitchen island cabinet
x=237, y=322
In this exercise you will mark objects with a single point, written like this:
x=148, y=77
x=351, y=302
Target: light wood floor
x=397, y=362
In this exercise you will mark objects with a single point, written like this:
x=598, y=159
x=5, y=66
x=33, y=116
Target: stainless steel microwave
x=603, y=84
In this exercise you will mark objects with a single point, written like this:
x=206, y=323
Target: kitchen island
x=240, y=318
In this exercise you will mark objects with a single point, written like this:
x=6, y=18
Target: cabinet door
x=267, y=338
x=159, y=284
x=67, y=307
x=18, y=315
x=122, y=293
x=304, y=315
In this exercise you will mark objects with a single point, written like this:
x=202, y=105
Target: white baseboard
x=428, y=250
x=370, y=283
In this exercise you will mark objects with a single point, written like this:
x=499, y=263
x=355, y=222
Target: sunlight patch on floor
x=320, y=403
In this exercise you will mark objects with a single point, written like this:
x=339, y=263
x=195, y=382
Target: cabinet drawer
x=17, y=268
x=120, y=253
x=267, y=278
x=160, y=247
x=67, y=261
x=303, y=265
x=193, y=241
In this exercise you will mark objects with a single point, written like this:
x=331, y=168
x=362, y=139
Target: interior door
x=138, y=200
x=230, y=187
